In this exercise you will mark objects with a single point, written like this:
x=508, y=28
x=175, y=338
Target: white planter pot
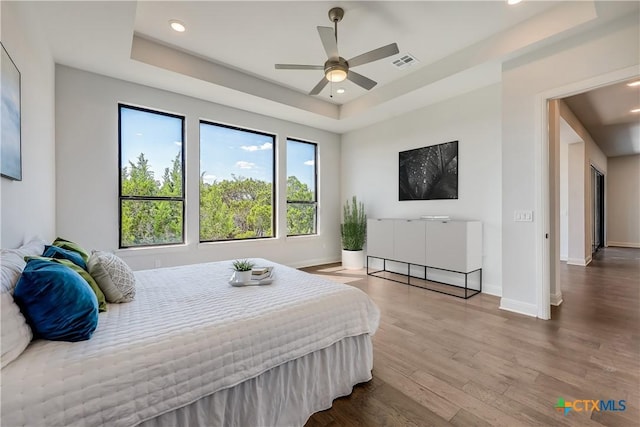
x=352, y=260
x=241, y=277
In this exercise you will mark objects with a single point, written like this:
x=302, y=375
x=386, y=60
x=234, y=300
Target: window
x=151, y=177
x=302, y=194
x=236, y=183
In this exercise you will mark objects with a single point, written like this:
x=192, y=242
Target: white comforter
x=187, y=334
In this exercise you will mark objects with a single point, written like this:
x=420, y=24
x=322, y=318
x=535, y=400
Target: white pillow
x=16, y=333
x=113, y=276
x=12, y=263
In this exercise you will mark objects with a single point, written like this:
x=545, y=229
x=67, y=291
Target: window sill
x=152, y=250
x=303, y=237
x=257, y=242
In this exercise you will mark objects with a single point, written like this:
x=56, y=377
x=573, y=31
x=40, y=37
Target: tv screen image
x=429, y=173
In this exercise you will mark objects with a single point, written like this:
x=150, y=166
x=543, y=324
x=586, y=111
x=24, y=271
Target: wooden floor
x=440, y=360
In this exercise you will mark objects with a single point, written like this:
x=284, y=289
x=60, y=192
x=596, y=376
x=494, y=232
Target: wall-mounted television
x=429, y=173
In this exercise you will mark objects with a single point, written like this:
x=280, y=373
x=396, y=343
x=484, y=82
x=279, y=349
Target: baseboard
x=564, y=258
x=624, y=244
x=313, y=262
x=588, y=260
x=490, y=289
x=556, y=299
x=579, y=261
x=518, y=307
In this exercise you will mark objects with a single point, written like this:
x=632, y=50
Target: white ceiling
x=228, y=52
x=606, y=114
x=253, y=36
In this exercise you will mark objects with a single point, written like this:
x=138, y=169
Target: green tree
x=147, y=222
x=300, y=216
x=216, y=220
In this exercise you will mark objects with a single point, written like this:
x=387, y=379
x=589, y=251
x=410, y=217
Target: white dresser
x=448, y=246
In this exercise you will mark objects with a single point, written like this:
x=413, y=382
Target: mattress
x=187, y=335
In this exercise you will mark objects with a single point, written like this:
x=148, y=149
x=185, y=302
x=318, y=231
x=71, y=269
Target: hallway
x=603, y=296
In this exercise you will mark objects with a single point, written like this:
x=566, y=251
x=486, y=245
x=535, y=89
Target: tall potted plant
x=354, y=234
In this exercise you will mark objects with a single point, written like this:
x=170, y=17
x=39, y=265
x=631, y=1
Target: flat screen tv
x=429, y=173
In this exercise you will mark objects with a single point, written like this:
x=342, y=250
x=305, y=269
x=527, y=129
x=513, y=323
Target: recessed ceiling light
x=340, y=90
x=512, y=2
x=636, y=110
x=177, y=26
x=633, y=84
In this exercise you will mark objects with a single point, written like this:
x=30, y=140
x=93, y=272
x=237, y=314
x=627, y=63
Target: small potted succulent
x=242, y=270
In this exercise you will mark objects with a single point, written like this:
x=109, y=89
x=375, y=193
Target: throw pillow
x=113, y=275
x=67, y=244
x=102, y=302
x=12, y=263
x=16, y=334
x=61, y=253
x=56, y=302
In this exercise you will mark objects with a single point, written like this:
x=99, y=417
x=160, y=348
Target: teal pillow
x=56, y=301
x=69, y=245
x=61, y=253
x=102, y=301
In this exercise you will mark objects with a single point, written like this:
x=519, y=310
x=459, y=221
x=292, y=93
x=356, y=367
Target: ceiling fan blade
x=321, y=84
x=361, y=80
x=298, y=67
x=328, y=38
x=374, y=55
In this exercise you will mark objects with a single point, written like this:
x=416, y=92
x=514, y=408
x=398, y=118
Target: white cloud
x=245, y=165
x=178, y=143
x=309, y=163
x=265, y=146
x=209, y=179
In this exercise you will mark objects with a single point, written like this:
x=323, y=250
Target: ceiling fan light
x=336, y=76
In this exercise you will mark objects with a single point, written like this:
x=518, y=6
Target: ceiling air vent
x=404, y=61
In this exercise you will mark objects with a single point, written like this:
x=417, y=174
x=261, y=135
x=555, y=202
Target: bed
x=193, y=350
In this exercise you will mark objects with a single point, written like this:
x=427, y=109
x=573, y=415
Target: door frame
x=542, y=203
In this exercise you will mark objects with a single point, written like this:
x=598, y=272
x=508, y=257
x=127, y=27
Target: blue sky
x=223, y=151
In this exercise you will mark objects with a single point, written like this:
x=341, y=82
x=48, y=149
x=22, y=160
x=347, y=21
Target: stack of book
x=261, y=273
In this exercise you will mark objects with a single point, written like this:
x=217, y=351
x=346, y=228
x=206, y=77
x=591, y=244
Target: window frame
x=122, y=197
x=274, y=185
x=314, y=202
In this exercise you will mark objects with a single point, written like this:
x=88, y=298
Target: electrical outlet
x=158, y=263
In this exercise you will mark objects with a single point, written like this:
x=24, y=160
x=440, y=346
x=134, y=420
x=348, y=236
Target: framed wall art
x=10, y=138
x=429, y=173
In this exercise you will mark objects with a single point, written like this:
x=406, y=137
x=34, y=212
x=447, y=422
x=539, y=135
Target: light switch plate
x=523, y=216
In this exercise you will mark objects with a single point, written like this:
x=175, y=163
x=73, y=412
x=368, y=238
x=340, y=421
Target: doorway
x=597, y=233
x=547, y=261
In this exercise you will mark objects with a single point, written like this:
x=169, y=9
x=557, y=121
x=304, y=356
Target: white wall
x=28, y=206
x=577, y=253
x=623, y=197
x=87, y=174
x=564, y=200
x=370, y=166
x=612, y=47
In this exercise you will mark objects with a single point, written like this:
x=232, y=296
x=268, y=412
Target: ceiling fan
x=336, y=68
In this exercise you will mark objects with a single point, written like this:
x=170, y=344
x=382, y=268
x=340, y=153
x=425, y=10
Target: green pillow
x=69, y=245
x=102, y=302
